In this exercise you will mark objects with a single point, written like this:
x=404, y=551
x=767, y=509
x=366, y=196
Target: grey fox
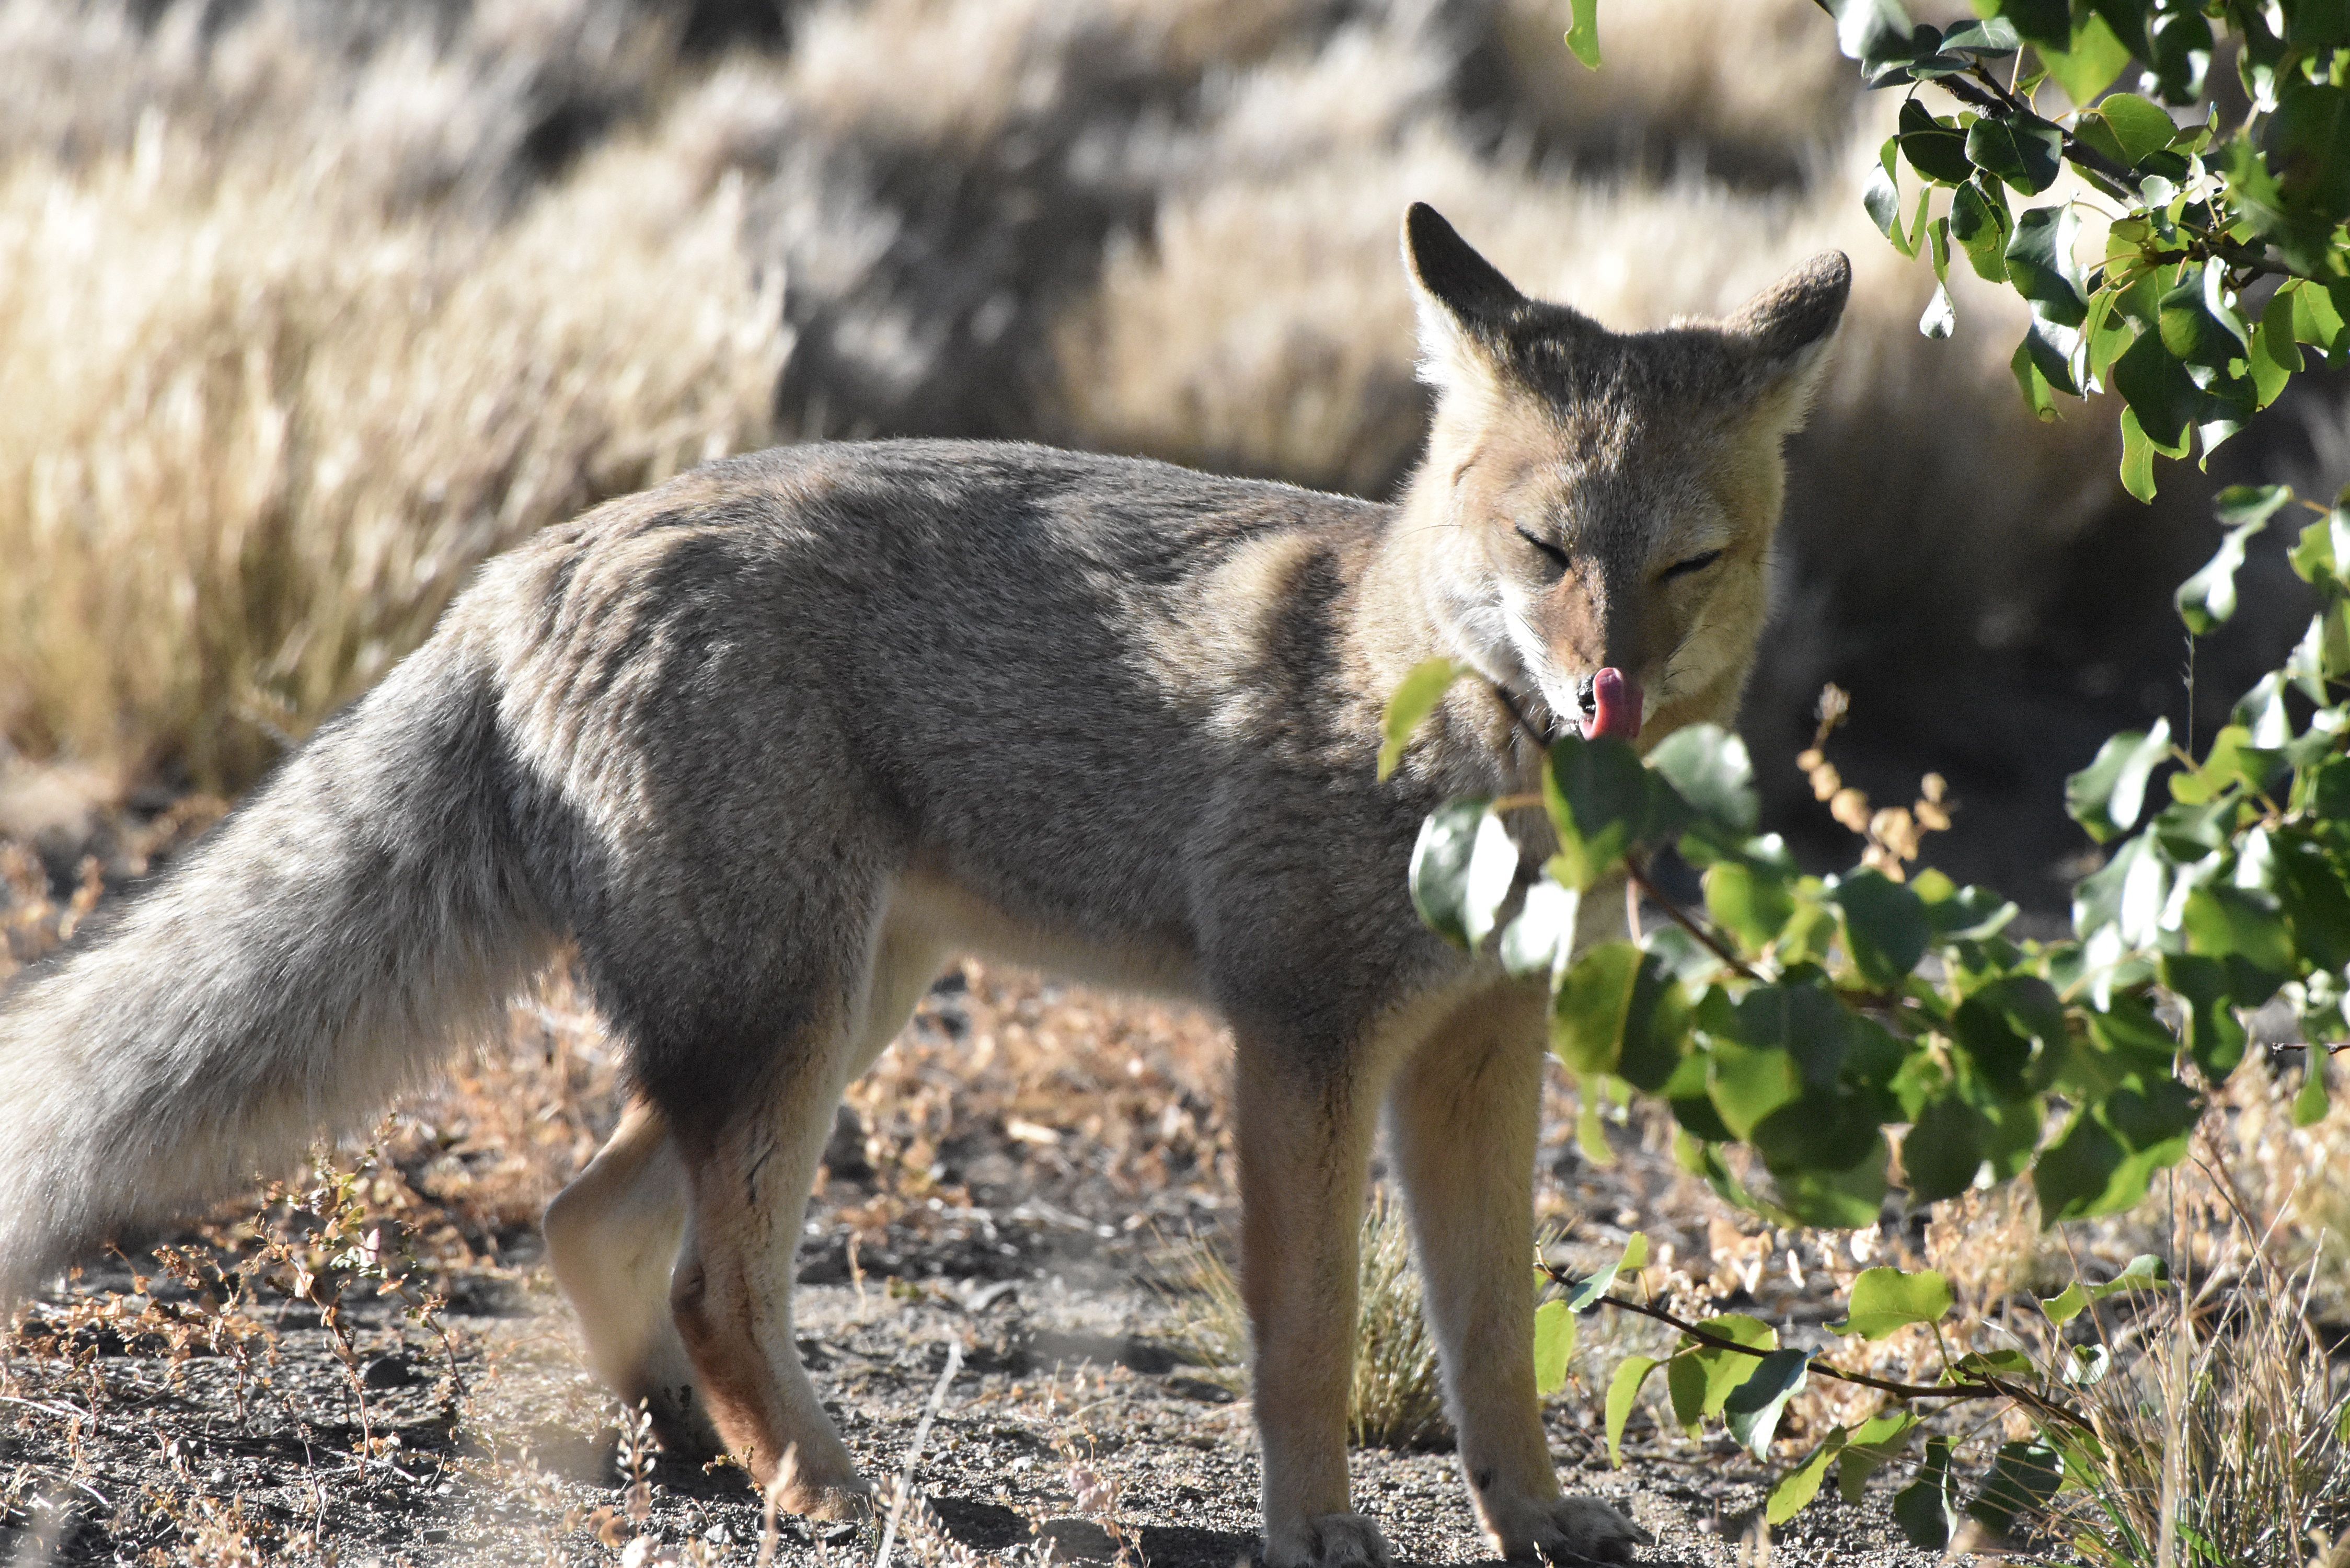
x=773, y=742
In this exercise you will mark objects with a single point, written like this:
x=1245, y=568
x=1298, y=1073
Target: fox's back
x=1043, y=672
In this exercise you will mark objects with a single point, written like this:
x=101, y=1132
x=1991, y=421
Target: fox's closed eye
x=1693, y=565
x=1557, y=555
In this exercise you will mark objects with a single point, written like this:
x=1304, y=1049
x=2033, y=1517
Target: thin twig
x=1639, y=877
x=1985, y=1387
x=914, y=1454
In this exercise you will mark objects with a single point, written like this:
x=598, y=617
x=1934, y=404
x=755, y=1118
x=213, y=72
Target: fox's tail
x=318, y=949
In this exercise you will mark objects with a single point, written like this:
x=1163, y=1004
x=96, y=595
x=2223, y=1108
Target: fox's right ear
x=1459, y=296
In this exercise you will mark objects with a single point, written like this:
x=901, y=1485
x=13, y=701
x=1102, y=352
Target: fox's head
x=1597, y=507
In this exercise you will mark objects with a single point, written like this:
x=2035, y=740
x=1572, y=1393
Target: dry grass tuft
x=1397, y=1397
x=2228, y=1422
x=246, y=459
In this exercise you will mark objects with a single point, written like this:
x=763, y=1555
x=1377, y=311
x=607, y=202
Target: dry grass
x=2225, y=1426
x=309, y=307
x=1396, y=1400
x=246, y=461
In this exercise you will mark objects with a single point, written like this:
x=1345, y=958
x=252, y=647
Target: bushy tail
x=315, y=951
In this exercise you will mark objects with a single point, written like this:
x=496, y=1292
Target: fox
x=767, y=746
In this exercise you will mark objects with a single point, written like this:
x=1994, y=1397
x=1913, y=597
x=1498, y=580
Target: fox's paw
x=1575, y=1532
x=828, y=1500
x=1326, y=1540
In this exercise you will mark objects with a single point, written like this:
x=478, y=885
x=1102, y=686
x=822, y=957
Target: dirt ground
x=372, y=1365
x=1074, y=1425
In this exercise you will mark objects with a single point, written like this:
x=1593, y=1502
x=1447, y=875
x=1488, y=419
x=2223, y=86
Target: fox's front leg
x=1305, y=1146
x=1463, y=1118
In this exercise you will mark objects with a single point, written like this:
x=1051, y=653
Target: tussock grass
x=256, y=435
x=1397, y=1397
x=2229, y=1423
x=1764, y=97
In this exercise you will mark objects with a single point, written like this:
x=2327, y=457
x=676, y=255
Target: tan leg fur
x=1463, y=1124
x=660, y=1321
x=612, y=1236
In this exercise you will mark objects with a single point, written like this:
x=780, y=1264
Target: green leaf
x=1554, y=1345
x=2041, y=265
x=1869, y=1447
x=1622, y=1391
x=1934, y=150
x=2207, y=599
x=2137, y=458
x=1541, y=941
x=1840, y=1198
x=2024, y=150
x=1461, y=870
x=2309, y=1105
x=2067, y=1305
x=2043, y=24
x=2140, y=126
x=2106, y=796
x=2086, y=1366
x=2089, y=67
x=2251, y=505
x=2322, y=556
x=1943, y=1151
x=1588, y=1294
x=2221, y=921
x=1925, y=1509
x=1618, y=1010
x=1749, y=901
x=1980, y=226
x=1714, y=1375
x=1709, y=767
x=2215, y=1035
x=2308, y=148
x=1753, y=1407
x=1416, y=697
x=2092, y=1169
x=2145, y=1271
x=2023, y=1478
x=2159, y=392
x=1796, y=1489
x=1873, y=31
x=1885, y=926
x=2013, y=1031
x=1885, y=1300
x=1992, y=36
x=2318, y=317
x=1880, y=197
x=1583, y=35
x=1603, y=804
x=1940, y=318
x=2029, y=366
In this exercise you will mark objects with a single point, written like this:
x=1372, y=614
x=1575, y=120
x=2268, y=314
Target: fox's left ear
x=1784, y=334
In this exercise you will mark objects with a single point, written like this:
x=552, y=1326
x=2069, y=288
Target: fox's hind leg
x=748, y=1177
x=612, y=1236
x=1462, y=1119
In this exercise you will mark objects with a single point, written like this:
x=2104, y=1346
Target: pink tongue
x=1618, y=712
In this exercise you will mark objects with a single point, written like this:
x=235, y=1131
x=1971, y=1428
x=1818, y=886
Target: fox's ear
x=1785, y=331
x=1459, y=296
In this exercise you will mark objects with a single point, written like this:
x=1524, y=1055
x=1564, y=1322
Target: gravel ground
x=1074, y=1425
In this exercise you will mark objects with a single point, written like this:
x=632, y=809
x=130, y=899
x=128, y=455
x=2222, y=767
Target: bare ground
x=1027, y=1175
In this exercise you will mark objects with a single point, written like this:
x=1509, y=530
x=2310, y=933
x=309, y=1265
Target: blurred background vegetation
x=309, y=305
